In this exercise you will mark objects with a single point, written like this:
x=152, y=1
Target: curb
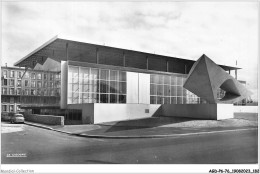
x=37, y=125
x=161, y=136
x=135, y=136
x=48, y=128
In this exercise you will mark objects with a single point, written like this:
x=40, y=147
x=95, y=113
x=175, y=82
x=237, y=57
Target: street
x=41, y=146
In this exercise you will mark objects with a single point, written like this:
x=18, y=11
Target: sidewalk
x=152, y=127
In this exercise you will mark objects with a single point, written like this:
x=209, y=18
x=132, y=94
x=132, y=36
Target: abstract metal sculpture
x=206, y=77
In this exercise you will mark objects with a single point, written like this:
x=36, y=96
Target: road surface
x=35, y=145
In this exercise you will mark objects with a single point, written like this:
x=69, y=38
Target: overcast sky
x=224, y=31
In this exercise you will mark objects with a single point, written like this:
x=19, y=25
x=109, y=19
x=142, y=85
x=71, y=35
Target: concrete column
x=64, y=85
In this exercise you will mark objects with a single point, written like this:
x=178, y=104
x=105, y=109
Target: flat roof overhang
x=60, y=49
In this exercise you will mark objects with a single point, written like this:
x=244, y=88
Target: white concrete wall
x=225, y=111
x=132, y=90
x=250, y=109
x=144, y=88
x=138, y=88
x=64, y=85
x=115, y=112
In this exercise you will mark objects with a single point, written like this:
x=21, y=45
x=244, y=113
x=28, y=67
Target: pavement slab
x=153, y=127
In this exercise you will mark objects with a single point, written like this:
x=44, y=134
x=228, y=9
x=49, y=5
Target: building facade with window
x=23, y=88
x=101, y=83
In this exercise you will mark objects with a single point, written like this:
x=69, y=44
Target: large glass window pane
x=85, y=88
x=159, y=89
x=167, y=80
x=152, y=89
x=113, y=87
x=167, y=100
x=173, y=100
x=173, y=80
x=94, y=98
x=179, y=100
x=113, y=98
x=114, y=75
x=179, y=81
x=154, y=78
x=104, y=74
x=95, y=74
x=184, y=100
x=93, y=87
x=69, y=87
x=75, y=97
x=159, y=100
x=184, y=92
x=122, y=76
x=179, y=90
x=103, y=98
x=153, y=99
x=167, y=90
x=84, y=75
x=85, y=97
x=160, y=79
x=122, y=87
x=104, y=86
x=122, y=98
x=73, y=74
x=75, y=88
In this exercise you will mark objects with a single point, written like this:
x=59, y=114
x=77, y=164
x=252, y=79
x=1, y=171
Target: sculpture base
x=217, y=111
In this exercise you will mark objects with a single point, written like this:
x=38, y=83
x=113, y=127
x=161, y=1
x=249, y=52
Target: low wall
x=117, y=112
x=248, y=109
x=200, y=111
x=45, y=119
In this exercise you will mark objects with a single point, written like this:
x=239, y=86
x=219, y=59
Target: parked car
x=16, y=118
x=5, y=116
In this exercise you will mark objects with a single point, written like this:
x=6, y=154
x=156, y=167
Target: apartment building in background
x=22, y=88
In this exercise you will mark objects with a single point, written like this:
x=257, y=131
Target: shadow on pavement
x=144, y=123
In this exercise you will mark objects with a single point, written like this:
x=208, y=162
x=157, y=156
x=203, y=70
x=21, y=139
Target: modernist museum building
x=101, y=83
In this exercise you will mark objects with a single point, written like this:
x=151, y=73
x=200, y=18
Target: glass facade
x=94, y=85
x=168, y=89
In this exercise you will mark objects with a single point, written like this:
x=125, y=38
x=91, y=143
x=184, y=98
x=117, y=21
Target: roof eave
x=36, y=50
